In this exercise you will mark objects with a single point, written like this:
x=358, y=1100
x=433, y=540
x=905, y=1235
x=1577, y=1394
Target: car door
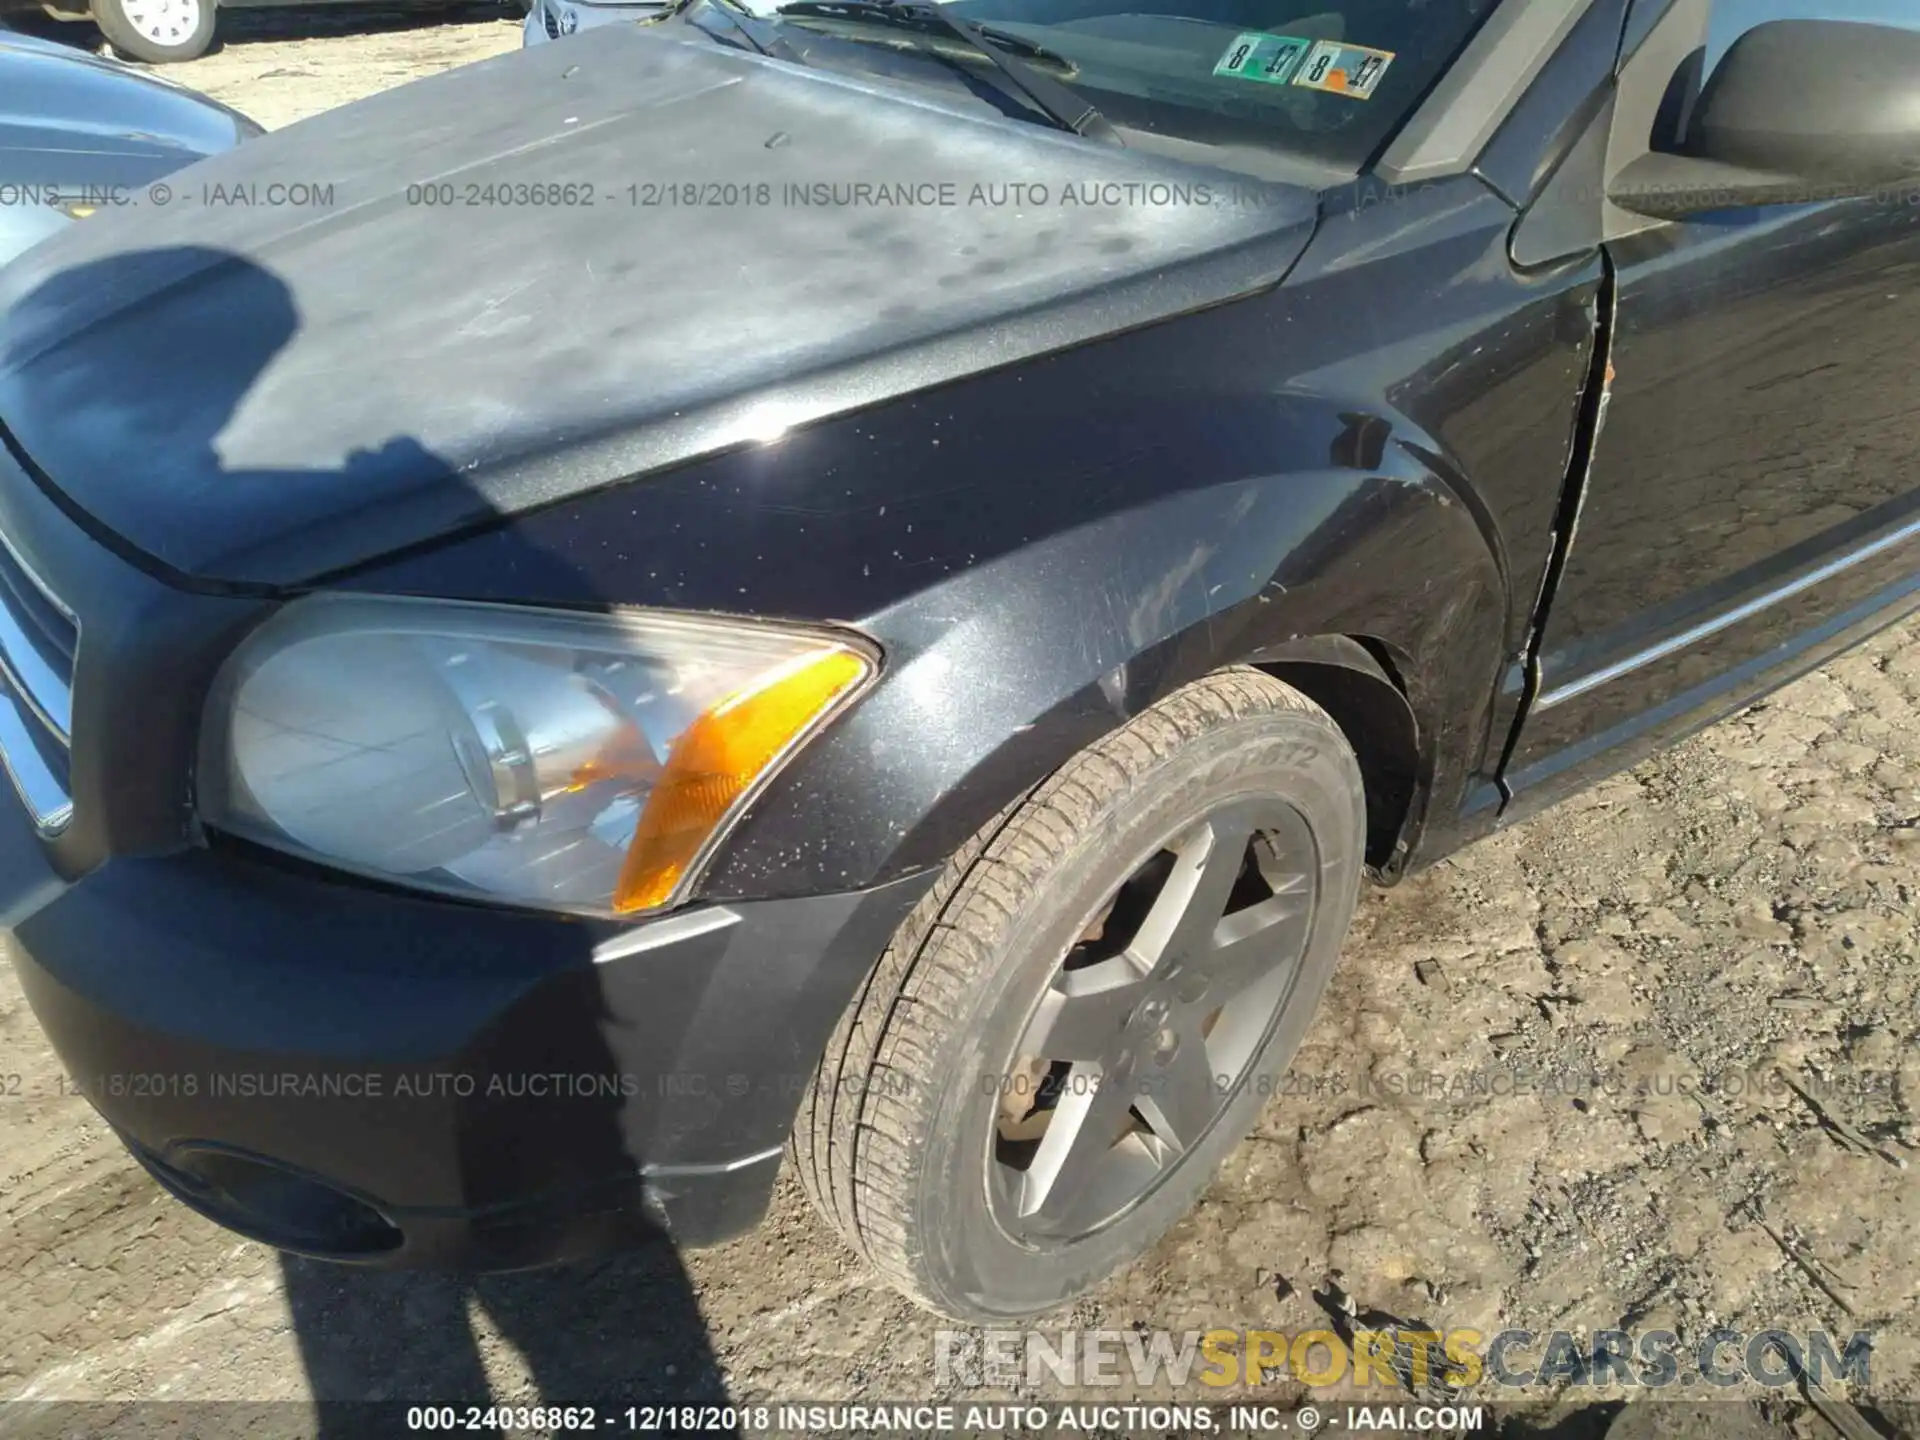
x=1753, y=497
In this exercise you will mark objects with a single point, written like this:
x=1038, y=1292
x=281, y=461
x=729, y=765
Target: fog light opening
x=276, y=1206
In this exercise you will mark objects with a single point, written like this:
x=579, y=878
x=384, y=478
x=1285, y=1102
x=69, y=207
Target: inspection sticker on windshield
x=1353, y=70
x=1257, y=55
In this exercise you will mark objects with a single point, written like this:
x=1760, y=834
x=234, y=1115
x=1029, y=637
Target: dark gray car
x=79, y=134
x=856, y=593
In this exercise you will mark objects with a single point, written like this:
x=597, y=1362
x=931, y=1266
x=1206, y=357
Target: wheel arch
x=1352, y=679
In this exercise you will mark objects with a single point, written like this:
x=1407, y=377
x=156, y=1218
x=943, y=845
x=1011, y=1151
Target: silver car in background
x=555, y=19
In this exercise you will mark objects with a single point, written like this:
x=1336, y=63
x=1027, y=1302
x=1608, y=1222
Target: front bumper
x=370, y=1076
x=362, y=1072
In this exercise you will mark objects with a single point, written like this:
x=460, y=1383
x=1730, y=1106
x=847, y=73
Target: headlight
x=578, y=762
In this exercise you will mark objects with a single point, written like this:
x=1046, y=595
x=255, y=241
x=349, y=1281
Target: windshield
x=1325, y=84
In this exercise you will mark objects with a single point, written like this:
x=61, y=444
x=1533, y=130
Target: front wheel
x=1082, y=1017
x=158, y=32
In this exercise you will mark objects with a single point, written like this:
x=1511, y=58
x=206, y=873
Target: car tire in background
x=1130, y=954
x=158, y=32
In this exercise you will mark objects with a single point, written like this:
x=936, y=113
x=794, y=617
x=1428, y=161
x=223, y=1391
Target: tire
x=913, y=1134
x=158, y=32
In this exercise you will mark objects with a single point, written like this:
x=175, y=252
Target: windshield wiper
x=1024, y=49
x=1066, y=109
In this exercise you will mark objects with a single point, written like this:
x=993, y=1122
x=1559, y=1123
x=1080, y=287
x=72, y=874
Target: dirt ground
x=1547, y=1090
x=280, y=65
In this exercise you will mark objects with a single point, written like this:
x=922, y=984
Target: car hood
x=557, y=271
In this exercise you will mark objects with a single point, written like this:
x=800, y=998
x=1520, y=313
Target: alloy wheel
x=1152, y=1021
x=164, y=22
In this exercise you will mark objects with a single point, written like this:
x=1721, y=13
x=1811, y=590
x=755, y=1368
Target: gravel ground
x=280, y=65
x=1740, y=910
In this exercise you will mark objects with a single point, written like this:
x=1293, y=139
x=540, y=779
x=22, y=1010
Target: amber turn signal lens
x=714, y=762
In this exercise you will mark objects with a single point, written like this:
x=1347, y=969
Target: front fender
x=1048, y=547
x=997, y=676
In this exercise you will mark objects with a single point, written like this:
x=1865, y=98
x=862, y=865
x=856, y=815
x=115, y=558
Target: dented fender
x=998, y=676
x=1045, y=549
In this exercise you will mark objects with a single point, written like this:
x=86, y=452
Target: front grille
x=550, y=20
x=38, y=637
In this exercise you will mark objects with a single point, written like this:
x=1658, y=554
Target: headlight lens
x=579, y=762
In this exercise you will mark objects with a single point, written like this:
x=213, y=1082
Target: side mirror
x=1798, y=111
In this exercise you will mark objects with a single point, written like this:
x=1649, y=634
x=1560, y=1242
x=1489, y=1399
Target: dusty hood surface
x=585, y=281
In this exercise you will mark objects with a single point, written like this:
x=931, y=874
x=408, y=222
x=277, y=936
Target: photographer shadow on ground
x=94, y=362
